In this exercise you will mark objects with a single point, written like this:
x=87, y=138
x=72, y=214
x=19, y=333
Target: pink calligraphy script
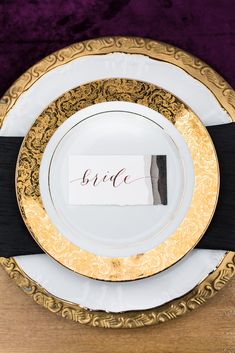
x=96, y=179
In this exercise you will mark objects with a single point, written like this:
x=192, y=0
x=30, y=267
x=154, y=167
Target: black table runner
x=15, y=239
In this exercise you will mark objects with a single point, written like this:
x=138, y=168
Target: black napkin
x=16, y=240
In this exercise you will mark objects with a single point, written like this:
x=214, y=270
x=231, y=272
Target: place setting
x=117, y=182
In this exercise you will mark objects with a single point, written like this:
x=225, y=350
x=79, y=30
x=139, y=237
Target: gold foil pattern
x=188, y=233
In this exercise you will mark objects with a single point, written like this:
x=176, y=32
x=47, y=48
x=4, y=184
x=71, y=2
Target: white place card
x=117, y=180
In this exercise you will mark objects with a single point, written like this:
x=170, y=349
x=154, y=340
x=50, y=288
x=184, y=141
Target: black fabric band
x=16, y=240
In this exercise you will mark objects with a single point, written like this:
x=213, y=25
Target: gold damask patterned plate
x=200, y=186
x=30, y=272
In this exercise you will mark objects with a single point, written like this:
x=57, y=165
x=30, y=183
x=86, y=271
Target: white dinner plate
x=63, y=283
x=116, y=128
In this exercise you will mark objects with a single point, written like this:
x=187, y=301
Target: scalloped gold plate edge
x=225, y=96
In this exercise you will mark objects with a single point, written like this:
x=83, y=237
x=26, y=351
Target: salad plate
x=195, y=278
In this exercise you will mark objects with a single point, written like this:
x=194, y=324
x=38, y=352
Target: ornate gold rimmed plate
x=37, y=275
x=86, y=238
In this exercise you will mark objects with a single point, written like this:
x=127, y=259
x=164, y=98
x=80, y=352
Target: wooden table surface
x=25, y=327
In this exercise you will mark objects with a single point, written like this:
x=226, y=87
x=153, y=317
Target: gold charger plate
x=225, y=95
x=178, y=244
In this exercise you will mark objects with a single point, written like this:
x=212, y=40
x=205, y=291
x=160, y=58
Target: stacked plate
x=117, y=180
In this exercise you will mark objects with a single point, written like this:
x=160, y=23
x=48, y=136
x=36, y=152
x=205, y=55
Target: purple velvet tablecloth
x=30, y=30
